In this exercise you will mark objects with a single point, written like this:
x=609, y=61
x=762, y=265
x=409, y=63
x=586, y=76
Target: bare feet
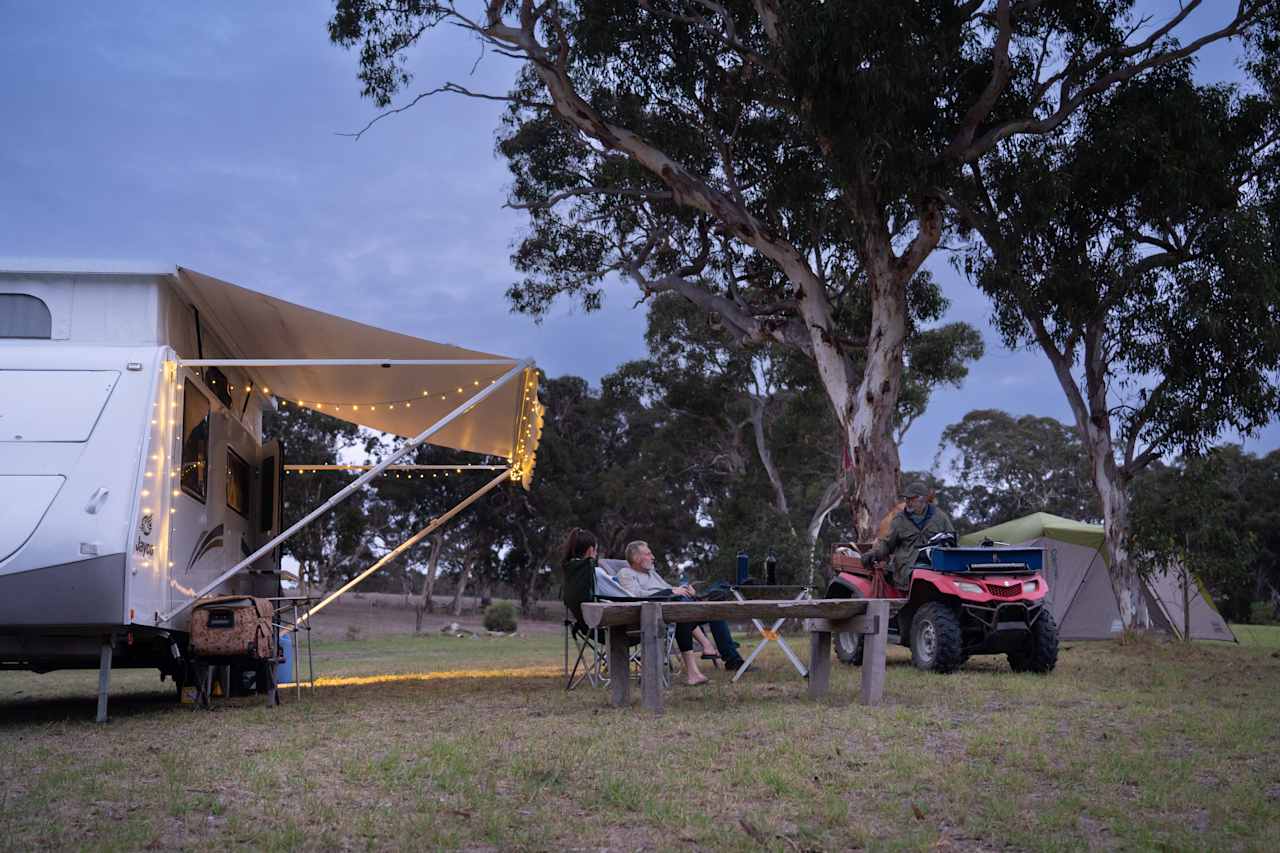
x=694, y=681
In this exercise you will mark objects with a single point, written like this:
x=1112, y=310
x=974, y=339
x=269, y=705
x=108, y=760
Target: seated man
x=642, y=580
x=910, y=531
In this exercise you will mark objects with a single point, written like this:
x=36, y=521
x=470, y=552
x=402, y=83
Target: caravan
x=134, y=476
x=127, y=480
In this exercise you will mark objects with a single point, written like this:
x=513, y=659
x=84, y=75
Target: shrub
x=501, y=616
x=1262, y=613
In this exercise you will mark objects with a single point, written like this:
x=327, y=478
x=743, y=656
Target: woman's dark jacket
x=579, y=584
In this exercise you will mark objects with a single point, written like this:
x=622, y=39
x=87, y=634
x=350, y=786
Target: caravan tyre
x=935, y=638
x=1041, y=653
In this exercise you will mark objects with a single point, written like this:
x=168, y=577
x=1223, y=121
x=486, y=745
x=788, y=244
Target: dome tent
x=1080, y=593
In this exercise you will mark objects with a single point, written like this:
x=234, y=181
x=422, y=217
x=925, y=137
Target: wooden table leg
x=874, y=646
x=619, y=667
x=651, y=635
x=819, y=663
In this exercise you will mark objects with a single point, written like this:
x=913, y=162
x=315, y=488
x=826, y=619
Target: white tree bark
x=1110, y=481
x=757, y=405
x=463, y=580
x=426, y=604
x=1113, y=491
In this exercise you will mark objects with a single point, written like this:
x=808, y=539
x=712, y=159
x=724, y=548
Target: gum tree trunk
x=463, y=580
x=426, y=604
x=1125, y=582
x=757, y=405
x=870, y=422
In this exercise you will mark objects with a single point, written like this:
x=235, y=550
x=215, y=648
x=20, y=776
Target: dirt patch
x=362, y=616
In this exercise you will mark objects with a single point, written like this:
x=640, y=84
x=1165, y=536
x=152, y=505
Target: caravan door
x=270, y=499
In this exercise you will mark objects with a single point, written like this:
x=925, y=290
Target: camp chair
x=591, y=663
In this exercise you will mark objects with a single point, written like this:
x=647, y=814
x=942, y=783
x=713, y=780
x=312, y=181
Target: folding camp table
x=770, y=634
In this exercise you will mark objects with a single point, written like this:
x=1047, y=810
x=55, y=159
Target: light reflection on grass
x=444, y=675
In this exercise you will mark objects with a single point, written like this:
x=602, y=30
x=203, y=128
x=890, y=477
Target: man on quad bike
x=952, y=602
x=910, y=530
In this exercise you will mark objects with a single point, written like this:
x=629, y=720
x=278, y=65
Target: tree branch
x=449, y=88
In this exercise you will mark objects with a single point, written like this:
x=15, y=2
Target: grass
x=1146, y=745
x=1267, y=636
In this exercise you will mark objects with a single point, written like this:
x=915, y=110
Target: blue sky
x=206, y=135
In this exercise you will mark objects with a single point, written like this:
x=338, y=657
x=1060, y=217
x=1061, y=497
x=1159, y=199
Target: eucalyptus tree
x=751, y=423
x=1140, y=252
x=767, y=159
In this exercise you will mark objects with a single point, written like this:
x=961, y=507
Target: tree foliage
x=773, y=162
x=1006, y=467
x=1215, y=513
x=317, y=438
x=1141, y=253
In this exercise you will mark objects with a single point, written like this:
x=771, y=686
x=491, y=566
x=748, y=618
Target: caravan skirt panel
x=86, y=592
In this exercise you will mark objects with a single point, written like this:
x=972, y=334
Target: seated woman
x=642, y=580
x=579, y=564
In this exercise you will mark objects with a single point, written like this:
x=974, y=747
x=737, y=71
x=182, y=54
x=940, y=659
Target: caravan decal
x=212, y=539
x=141, y=546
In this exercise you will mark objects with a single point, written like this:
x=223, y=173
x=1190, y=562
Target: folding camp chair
x=591, y=663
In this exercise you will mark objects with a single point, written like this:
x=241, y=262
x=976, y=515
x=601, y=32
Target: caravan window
x=195, y=442
x=24, y=316
x=237, y=483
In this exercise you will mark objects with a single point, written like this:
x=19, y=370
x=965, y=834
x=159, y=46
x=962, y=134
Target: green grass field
x=1267, y=636
x=1147, y=745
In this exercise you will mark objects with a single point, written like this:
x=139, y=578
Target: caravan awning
x=397, y=398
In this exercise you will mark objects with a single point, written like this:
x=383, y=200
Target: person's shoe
x=733, y=664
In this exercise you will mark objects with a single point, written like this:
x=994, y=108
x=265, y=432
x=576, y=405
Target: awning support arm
x=349, y=489
x=302, y=466
x=350, y=362
x=406, y=544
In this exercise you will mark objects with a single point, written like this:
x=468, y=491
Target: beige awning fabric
x=400, y=399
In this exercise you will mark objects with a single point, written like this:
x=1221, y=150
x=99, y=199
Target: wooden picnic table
x=822, y=617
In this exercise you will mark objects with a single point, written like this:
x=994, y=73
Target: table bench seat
x=822, y=617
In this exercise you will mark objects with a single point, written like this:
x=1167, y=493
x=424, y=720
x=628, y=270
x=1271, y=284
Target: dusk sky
x=206, y=135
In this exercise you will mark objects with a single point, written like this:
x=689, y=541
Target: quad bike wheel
x=848, y=647
x=1041, y=653
x=848, y=644
x=935, y=638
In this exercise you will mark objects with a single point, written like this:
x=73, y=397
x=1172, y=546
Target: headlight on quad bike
x=1030, y=586
x=973, y=588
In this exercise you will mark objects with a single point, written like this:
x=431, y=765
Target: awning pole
x=407, y=544
x=349, y=489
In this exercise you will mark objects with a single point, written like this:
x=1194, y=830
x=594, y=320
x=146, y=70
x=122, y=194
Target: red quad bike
x=987, y=600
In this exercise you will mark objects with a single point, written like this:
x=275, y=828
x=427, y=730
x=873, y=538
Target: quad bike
x=985, y=600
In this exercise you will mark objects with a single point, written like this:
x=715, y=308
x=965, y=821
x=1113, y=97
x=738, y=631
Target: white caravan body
x=127, y=481
x=134, y=479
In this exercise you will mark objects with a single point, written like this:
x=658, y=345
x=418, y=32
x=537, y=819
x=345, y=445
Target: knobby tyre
x=935, y=638
x=1041, y=654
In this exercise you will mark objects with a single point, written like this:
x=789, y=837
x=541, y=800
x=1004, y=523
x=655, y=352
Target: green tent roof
x=1040, y=524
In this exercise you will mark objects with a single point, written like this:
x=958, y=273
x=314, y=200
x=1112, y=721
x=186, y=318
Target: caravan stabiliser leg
x=104, y=677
